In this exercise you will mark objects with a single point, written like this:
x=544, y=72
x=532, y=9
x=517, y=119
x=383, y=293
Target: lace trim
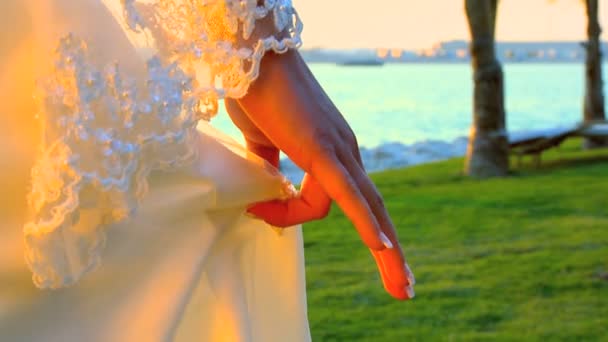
x=222, y=42
x=104, y=133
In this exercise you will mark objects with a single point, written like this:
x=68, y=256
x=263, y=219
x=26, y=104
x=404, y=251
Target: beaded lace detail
x=217, y=40
x=104, y=132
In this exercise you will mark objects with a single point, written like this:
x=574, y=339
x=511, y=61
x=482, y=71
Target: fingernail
x=279, y=231
x=410, y=274
x=385, y=241
x=251, y=215
x=410, y=292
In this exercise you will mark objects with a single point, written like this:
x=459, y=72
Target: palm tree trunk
x=488, y=149
x=593, y=107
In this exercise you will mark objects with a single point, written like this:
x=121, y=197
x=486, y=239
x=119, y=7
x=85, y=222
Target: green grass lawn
x=519, y=258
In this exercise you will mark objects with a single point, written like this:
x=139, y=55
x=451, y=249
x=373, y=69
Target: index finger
x=341, y=187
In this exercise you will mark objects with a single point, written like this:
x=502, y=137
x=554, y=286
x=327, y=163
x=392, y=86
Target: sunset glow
x=415, y=24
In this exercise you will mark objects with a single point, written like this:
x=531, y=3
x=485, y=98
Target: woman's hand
x=287, y=110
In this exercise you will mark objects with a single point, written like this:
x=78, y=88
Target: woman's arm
x=287, y=110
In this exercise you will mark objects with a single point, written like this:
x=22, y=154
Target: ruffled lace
x=105, y=133
x=222, y=42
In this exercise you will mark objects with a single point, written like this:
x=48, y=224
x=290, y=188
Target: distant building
x=523, y=51
x=462, y=53
x=396, y=53
x=382, y=53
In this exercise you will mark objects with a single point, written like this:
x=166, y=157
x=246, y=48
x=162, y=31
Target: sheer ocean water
x=412, y=113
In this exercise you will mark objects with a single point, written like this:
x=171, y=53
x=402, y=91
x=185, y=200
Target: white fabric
x=129, y=181
x=111, y=115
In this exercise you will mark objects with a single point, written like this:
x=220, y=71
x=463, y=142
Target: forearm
x=287, y=84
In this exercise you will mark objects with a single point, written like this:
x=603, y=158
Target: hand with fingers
x=287, y=110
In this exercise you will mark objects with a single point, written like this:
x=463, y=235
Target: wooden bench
x=535, y=142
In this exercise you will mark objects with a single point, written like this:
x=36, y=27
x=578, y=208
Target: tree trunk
x=488, y=149
x=593, y=107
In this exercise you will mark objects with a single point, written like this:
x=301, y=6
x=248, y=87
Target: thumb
x=313, y=203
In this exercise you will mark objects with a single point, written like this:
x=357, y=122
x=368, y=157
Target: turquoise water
x=416, y=102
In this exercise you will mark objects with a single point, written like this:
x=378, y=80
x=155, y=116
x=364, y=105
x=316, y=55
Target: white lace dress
x=135, y=228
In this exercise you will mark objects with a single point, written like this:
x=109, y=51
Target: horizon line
x=304, y=46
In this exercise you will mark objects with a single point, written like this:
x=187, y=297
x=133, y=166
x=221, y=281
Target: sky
x=418, y=24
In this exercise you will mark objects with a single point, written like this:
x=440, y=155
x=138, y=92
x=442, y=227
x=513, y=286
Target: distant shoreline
x=388, y=63
x=457, y=51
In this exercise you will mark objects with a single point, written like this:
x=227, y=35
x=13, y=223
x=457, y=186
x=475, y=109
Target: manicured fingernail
x=410, y=274
x=385, y=241
x=410, y=292
x=279, y=231
x=251, y=215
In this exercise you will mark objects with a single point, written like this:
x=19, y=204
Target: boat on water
x=366, y=62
